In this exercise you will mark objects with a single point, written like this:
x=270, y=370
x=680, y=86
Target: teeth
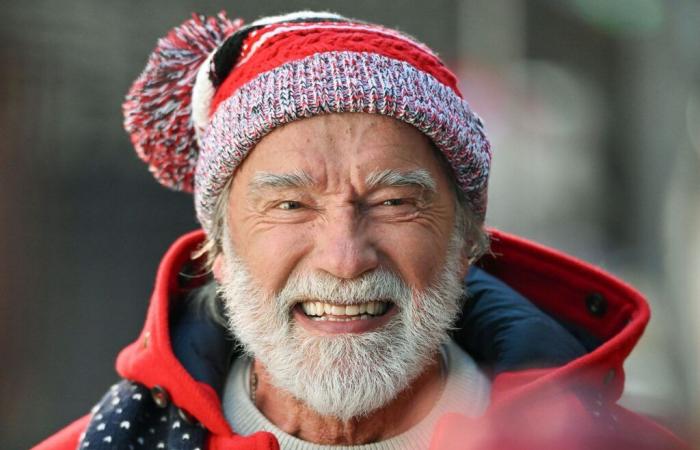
x=379, y=308
x=331, y=311
x=308, y=309
x=371, y=307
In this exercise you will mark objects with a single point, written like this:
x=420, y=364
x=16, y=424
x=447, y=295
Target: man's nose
x=343, y=248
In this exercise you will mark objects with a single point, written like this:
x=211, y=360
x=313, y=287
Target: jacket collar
x=579, y=294
x=150, y=360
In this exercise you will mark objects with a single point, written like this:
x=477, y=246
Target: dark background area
x=594, y=112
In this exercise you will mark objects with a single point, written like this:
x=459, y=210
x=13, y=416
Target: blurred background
x=594, y=111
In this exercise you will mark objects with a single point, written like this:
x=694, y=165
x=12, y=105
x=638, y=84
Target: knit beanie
x=213, y=87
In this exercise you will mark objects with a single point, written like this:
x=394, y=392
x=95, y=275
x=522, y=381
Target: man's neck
x=295, y=418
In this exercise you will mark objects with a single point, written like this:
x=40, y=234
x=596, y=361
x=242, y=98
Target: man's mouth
x=334, y=318
x=343, y=313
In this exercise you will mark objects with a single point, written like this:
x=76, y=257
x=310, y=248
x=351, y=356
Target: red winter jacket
x=572, y=406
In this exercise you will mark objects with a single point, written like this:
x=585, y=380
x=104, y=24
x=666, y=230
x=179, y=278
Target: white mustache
x=377, y=285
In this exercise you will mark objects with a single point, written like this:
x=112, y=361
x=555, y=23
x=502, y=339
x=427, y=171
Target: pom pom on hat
x=158, y=107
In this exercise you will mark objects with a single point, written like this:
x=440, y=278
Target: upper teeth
x=321, y=308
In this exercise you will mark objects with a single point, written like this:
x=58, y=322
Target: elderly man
x=340, y=180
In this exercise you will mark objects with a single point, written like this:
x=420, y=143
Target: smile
x=333, y=318
x=335, y=312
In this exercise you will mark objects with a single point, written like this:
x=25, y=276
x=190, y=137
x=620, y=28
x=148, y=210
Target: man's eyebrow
x=268, y=180
x=398, y=178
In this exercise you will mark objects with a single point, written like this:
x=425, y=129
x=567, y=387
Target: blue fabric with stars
x=127, y=417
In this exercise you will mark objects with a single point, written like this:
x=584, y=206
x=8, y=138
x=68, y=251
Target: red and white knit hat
x=213, y=88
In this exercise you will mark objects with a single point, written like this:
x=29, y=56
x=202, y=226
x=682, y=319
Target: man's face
x=341, y=267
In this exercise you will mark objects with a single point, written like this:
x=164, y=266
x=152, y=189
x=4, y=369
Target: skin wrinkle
x=267, y=188
x=405, y=412
x=345, y=383
x=437, y=220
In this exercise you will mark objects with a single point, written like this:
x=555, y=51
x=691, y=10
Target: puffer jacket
x=551, y=331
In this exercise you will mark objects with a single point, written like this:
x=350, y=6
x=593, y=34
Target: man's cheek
x=416, y=257
x=274, y=255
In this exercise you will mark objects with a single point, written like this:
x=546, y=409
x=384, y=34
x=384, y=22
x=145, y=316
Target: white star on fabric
x=137, y=396
x=160, y=445
x=176, y=424
x=186, y=437
x=101, y=426
x=125, y=424
x=107, y=439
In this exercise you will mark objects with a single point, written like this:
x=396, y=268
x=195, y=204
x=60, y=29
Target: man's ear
x=218, y=268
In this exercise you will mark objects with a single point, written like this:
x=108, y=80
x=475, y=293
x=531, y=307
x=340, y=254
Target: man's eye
x=393, y=202
x=289, y=204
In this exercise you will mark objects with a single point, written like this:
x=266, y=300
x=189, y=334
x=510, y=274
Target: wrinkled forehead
x=360, y=147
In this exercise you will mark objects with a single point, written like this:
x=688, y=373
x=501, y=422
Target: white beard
x=348, y=375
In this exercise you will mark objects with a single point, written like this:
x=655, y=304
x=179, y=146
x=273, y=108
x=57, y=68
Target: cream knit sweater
x=466, y=391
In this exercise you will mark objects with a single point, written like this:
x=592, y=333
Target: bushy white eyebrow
x=399, y=178
x=267, y=180
x=388, y=177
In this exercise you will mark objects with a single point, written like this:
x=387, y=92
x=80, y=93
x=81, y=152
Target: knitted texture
x=283, y=43
x=157, y=109
x=466, y=391
x=337, y=82
x=213, y=88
